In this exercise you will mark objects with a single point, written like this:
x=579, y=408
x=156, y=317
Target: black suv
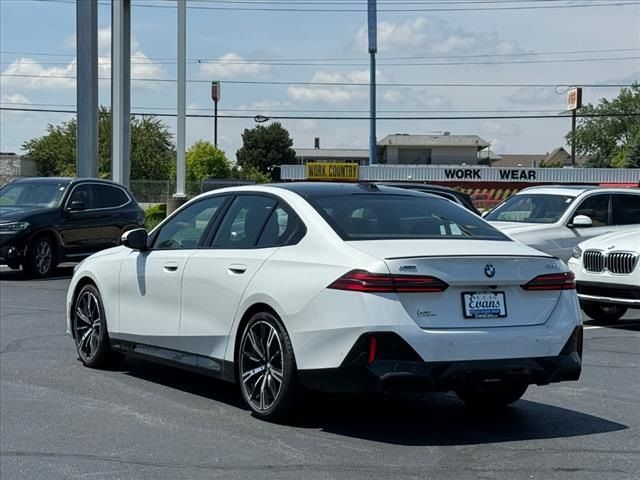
x=44, y=221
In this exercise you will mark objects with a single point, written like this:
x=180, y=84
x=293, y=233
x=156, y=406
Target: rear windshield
x=386, y=216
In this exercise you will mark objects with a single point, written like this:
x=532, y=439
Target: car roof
x=415, y=185
x=311, y=189
x=65, y=180
x=571, y=190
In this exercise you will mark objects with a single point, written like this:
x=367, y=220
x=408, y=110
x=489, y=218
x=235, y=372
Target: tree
x=608, y=140
x=204, y=160
x=152, y=149
x=263, y=147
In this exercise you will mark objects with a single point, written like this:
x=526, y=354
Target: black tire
x=90, y=333
x=604, y=313
x=491, y=396
x=259, y=389
x=41, y=259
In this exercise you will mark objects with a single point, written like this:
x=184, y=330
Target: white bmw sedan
x=337, y=287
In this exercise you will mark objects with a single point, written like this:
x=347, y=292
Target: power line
x=415, y=64
x=336, y=59
x=281, y=110
x=305, y=117
x=363, y=9
x=343, y=84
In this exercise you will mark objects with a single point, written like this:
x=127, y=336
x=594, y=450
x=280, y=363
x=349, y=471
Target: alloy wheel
x=87, y=325
x=261, y=365
x=43, y=256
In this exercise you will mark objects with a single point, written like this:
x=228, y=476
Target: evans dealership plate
x=484, y=304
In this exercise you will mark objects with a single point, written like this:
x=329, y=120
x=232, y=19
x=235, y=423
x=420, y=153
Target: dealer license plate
x=484, y=304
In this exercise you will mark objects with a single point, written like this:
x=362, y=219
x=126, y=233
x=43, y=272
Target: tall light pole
x=182, y=97
x=373, y=47
x=121, y=91
x=87, y=88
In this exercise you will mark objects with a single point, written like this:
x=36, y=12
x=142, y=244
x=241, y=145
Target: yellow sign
x=332, y=171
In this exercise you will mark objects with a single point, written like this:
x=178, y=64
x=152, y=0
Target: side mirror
x=135, y=239
x=77, y=206
x=582, y=221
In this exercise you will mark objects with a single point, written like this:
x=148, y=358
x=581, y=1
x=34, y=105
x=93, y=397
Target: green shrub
x=154, y=215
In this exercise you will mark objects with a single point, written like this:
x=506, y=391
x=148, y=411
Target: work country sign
x=333, y=171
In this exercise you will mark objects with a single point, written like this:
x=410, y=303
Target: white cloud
x=17, y=99
x=426, y=37
x=541, y=96
x=233, y=65
x=32, y=75
x=334, y=93
x=496, y=128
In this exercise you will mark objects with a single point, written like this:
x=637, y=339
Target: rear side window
x=626, y=209
x=107, y=196
x=383, y=216
x=283, y=228
x=244, y=221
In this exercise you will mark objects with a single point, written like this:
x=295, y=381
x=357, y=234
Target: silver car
x=554, y=219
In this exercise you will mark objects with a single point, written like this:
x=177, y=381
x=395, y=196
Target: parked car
x=456, y=196
x=608, y=275
x=44, y=221
x=336, y=287
x=555, y=219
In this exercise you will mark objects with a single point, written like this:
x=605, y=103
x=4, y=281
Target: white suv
x=555, y=219
x=607, y=271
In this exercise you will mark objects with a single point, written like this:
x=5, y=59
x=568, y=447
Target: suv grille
x=593, y=261
x=616, y=262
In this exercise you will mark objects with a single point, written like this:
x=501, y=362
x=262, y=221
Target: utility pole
x=373, y=47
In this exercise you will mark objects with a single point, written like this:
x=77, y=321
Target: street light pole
x=182, y=97
x=373, y=47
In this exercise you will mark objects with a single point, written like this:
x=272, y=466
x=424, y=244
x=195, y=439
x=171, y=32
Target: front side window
x=626, y=209
x=31, y=194
x=379, y=217
x=244, y=221
x=109, y=197
x=531, y=208
x=85, y=194
x=187, y=228
x=596, y=208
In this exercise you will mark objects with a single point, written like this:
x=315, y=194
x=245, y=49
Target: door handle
x=237, y=268
x=170, y=266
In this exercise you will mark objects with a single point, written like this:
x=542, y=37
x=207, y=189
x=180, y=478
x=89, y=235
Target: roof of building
x=406, y=140
x=518, y=159
x=355, y=153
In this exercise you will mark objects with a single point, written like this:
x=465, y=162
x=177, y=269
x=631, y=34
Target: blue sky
x=228, y=43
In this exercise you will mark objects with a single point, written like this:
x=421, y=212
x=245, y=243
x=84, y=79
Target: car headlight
x=13, y=227
x=577, y=253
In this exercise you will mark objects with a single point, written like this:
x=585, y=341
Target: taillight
x=363, y=281
x=552, y=281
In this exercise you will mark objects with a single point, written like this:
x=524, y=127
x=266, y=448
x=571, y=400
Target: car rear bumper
x=408, y=373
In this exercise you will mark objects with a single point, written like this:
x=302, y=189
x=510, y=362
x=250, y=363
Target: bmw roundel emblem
x=489, y=270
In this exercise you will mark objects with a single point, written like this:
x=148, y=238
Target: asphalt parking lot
x=59, y=419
